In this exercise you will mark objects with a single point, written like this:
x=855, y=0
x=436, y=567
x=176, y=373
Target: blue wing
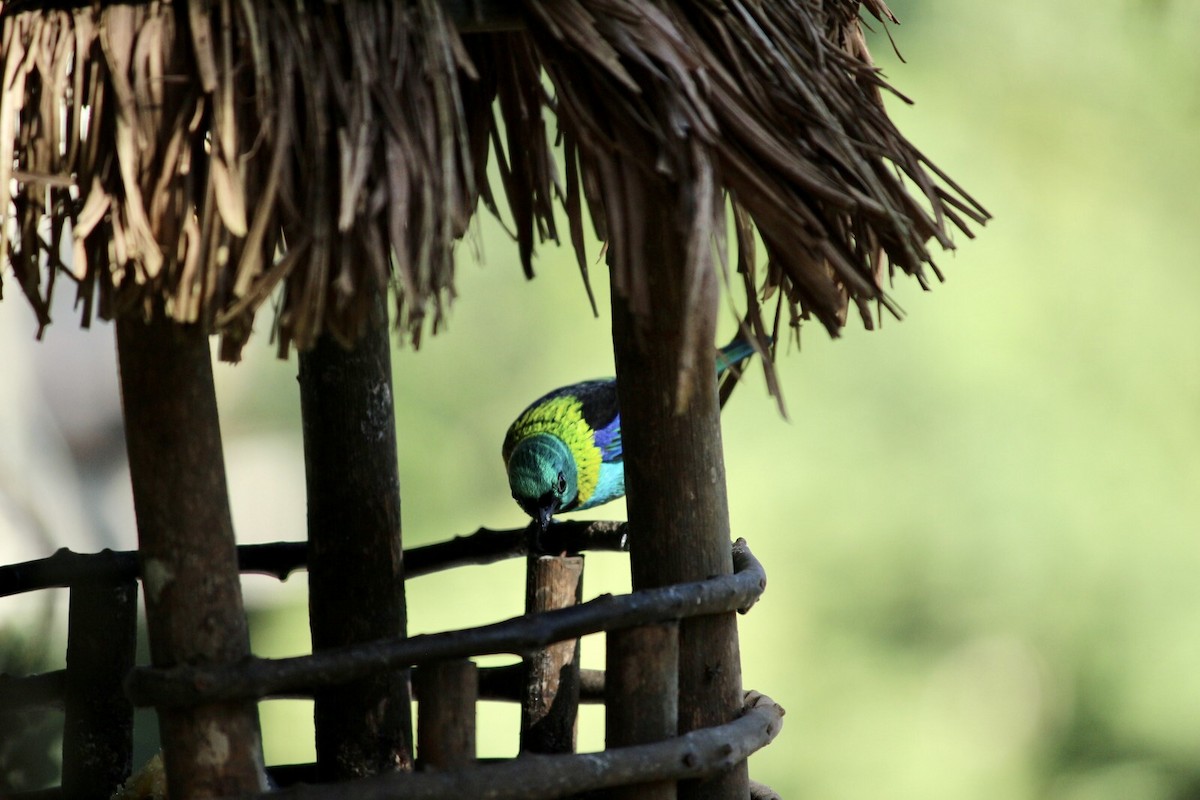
x=608, y=439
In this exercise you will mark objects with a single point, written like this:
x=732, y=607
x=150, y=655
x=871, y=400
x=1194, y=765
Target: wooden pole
x=355, y=559
x=186, y=546
x=674, y=468
x=551, y=703
x=97, y=743
x=447, y=693
x=641, y=691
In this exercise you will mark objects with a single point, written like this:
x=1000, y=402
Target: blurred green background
x=979, y=524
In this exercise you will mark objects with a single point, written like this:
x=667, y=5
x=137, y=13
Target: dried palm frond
x=776, y=104
x=332, y=149
x=208, y=159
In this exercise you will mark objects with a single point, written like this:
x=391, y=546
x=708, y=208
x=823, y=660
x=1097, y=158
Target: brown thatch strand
x=212, y=158
x=329, y=150
x=775, y=103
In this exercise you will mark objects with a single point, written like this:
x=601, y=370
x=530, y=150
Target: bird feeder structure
x=181, y=164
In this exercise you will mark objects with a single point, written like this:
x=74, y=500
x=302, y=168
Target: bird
x=563, y=452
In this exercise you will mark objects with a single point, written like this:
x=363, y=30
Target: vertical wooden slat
x=188, y=556
x=355, y=565
x=447, y=693
x=641, y=691
x=551, y=703
x=98, y=725
x=674, y=469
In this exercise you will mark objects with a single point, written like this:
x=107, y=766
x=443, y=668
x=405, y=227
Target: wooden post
x=674, y=468
x=446, y=696
x=355, y=564
x=551, y=703
x=98, y=723
x=641, y=691
x=188, y=556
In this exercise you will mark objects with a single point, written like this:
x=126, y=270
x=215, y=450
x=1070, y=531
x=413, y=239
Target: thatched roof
x=198, y=164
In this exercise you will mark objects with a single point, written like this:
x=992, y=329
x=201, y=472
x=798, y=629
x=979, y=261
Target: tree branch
x=698, y=754
x=281, y=559
x=258, y=677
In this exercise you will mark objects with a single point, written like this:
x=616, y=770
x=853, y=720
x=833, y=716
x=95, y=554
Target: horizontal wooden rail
x=502, y=684
x=259, y=677
x=280, y=559
x=698, y=754
x=286, y=775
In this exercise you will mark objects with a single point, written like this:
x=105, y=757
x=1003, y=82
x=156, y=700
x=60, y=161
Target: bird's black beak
x=545, y=513
x=537, y=530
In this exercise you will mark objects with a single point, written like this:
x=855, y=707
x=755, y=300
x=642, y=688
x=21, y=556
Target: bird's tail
x=734, y=353
x=730, y=359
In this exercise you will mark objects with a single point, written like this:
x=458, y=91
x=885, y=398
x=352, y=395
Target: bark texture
x=355, y=560
x=674, y=468
x=186, y=546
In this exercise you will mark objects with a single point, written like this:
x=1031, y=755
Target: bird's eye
x=562, y=483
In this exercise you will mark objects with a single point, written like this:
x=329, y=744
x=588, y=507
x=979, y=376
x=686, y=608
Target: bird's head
x=542, y=476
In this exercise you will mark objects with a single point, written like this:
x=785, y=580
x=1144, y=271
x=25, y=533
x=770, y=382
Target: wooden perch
x=281, y=559
x=550, y=701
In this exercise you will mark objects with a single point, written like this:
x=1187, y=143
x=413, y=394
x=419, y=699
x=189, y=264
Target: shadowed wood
x=355, y=559
x=97, y=744
x=447, y=694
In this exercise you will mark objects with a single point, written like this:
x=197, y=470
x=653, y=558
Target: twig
x=281, y=559
x=66, y=568
x=505, y=683
x=695, y=755
x=259, y=677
